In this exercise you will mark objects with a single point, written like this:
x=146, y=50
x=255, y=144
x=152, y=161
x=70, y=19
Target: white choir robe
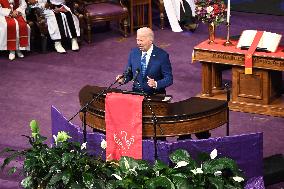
x=53, y=28
x=172, y=8
x=3, y=25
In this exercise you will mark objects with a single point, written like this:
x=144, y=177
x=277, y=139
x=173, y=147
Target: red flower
x=216, y=9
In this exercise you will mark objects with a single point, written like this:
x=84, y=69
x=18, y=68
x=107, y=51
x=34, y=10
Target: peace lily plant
x=68, y=165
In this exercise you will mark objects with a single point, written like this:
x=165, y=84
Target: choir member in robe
x=181, y=14
x=61, y=22
x=14, y=30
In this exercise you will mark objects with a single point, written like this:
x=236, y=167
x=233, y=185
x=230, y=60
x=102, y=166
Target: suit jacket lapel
x=153, y=55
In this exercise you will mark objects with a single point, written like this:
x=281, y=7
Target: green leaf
x=179, y=155
x=181, y=181
x=67, y=158
x=12, y=170
x=142, y=165
x=203, y=157
x=99, y=184
x=76, y=186
x=66, y=175
x=219, y=164
x=27, y=182
x=88, y=180
x=217, y=182
x=40, y=139
x=159, y=165
x=55, y=178
x=126, y=163
x=159, y=182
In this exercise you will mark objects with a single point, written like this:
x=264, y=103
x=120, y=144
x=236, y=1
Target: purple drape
x=245, y=149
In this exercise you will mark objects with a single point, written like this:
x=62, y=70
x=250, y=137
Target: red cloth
x=218, y=46
x=123, y=118
x=11, y=28
x=251, y=50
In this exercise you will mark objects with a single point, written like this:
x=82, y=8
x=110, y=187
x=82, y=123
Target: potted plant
x=68, y=165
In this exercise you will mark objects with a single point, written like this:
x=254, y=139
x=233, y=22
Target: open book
x=268, y=42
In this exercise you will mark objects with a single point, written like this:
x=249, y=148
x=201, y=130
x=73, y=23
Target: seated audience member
x=61, y=22
x=14, y=30
x=181, y=14
x=187, y=16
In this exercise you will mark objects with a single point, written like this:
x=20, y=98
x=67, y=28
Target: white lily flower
x=55, y=139
x=238, y=179
x=218, y=173
x=213, y=154
x=117, y=176
x=103, y=144
x=181, y=164
x=197, y=171
x=84, y=146
x=157, y=173
x=126, y=164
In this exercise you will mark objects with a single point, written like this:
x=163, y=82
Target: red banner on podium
x=123, y=118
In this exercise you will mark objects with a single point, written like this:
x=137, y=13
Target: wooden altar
x=185, y=117
x=261, y=92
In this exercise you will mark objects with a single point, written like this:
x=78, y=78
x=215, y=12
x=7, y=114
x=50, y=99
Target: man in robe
x=61, y=22
x=14, y=30
x=181, y=13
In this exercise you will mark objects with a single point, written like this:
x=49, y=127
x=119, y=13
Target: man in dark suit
x=151, y=63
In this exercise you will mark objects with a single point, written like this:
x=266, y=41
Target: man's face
x=143, y=42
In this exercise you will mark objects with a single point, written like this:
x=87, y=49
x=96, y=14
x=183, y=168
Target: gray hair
x=145, y=31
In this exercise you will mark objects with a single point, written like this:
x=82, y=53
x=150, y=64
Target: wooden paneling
x=189, y=116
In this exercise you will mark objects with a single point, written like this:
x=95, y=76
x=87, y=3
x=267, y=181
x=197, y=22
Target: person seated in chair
x=187, y=16
x=61, y=22
x=181, y=15
x=15, y=32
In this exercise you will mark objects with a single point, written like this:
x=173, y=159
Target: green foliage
x=68, y=165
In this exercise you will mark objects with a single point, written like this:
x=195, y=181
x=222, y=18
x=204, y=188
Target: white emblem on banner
x=123, y=141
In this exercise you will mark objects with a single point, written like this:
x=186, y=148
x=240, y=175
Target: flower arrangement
x=210, y=11
x=68, y=165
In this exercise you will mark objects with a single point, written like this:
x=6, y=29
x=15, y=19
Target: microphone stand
x=85, y=107
x=227, y=87
x=154, y=118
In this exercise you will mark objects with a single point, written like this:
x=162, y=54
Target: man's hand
x=15, y=14
x=151, y=82
x=119, y=79
x=61, y=9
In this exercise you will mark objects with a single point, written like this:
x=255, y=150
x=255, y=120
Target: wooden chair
x=138, y=10
x=162, y=11
x=105, y=11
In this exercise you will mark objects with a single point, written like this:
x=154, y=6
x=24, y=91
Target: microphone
x=136, y=74
x=125, y=74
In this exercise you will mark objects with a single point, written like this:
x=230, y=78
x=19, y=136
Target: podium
x=189, y=116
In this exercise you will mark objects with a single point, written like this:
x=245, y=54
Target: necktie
x=143, y=64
